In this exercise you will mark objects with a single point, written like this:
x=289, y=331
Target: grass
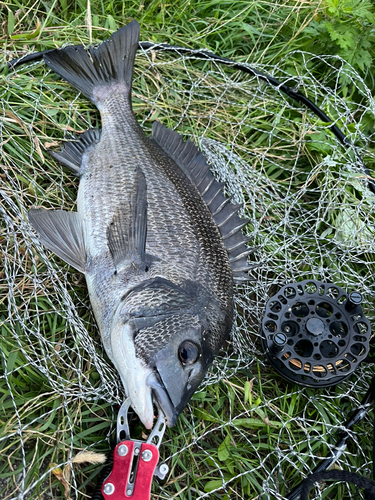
x=247, y=433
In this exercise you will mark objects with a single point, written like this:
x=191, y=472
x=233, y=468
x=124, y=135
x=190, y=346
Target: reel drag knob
x=279, y=341
x=354, y=300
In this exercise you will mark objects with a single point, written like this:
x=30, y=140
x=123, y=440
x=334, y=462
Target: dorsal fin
x=72, y=151
x=194, y=165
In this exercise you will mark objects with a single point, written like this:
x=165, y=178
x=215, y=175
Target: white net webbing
x=247, y=432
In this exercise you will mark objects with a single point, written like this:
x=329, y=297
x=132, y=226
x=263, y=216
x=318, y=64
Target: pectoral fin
x=126, y=234
x=62, y=232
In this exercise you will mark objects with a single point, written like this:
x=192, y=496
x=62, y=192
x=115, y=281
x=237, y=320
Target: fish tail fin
x=95, y=69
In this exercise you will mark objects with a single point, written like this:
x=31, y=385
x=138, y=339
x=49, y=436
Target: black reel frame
x=314, y=333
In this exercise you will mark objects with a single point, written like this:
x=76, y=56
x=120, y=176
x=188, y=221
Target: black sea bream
x=158, y=242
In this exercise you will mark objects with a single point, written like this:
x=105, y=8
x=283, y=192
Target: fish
x=158, y=242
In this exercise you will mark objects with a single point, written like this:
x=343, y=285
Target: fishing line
x=291, y=92
x=321, y=472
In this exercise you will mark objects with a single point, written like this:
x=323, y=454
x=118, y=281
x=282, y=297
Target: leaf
x=29, y=35
x=111, y=23
x=250, y=423
x=10, y=22
x=326, y=232
x=343, y=36
x=199, y=396
x=200, y=413
x=223, y=450
x=332, y=6
x=11, y=360
x=363, y=59
x=58, y=473
x=249, y=30
x=319, y=142
x=47, y=423
x=247, y=390
x=91, y=430
x=213, y=485
x=362, y=9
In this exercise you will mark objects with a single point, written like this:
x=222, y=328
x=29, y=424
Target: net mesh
x=247, y=433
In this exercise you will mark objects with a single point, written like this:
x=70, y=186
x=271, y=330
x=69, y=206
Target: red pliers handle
x=134, y=462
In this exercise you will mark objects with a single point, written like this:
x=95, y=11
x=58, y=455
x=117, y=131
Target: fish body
x=148, y=234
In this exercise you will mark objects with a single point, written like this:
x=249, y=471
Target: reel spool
x=314, y=333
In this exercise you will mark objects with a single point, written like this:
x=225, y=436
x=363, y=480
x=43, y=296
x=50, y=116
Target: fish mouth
x=162, y=399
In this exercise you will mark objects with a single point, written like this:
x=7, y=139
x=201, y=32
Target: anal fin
x=62, y=232
x=72, y=152
x=126, y=234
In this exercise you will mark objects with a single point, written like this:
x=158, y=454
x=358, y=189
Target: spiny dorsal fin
x=62, y=232
x=126, y=234
x=185, y=154
x=72, y=151
x=194, y=165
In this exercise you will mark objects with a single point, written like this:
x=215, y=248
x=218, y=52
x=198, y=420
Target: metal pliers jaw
x=134, y=462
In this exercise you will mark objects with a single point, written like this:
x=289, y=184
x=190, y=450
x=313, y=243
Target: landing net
x=247, y=433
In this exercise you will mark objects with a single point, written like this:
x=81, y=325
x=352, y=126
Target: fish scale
x=148, y=234
x=169, y=232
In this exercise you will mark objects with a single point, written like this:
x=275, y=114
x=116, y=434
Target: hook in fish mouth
x=162, y=399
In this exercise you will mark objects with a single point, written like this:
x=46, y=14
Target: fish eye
x=188, y=352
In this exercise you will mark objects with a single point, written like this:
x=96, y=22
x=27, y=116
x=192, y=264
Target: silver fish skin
x=157, y=241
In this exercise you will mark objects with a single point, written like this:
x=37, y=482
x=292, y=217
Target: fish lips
x=162, y=399
x=173, y=384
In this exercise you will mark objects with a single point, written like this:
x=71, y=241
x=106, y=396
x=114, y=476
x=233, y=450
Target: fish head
x=163, y=349
x=180, y=366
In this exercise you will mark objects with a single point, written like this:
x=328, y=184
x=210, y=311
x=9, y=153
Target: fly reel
x=314, y=333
